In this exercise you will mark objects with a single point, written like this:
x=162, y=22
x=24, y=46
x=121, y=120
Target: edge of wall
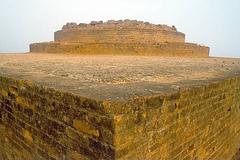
x=185, y=124
x=198, y=122
x=41, y=123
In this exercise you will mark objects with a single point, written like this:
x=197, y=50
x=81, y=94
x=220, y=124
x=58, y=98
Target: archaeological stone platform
x=128, y=37
x=76, y=107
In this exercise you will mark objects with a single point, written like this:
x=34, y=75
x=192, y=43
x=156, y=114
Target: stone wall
x=194, y=123
x=121, y=37
x=127, y=31
x=40, y=123
x=114, y=35
x=161, y=49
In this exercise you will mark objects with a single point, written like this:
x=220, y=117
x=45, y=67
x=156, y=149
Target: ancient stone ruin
x=121, y=37
x=109, y=102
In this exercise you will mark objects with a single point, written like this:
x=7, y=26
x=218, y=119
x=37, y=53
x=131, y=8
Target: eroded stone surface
x=122, y=37
x=115, y=77
x=118, y=23
x=137, y=107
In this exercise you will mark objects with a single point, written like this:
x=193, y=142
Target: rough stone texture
x=118, y=24
x=115, y=35
x=55, y=106
x=128, y=37
x=162, y=49
x=128, y=31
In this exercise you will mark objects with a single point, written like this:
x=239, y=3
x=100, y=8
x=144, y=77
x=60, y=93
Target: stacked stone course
x=194, y=123
x=162, y=49
x=121, y=37
x=41, y=123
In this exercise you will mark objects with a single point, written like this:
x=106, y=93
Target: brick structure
x=123, y=107
x=56, y=106
x=118, y=32
x=129, y=37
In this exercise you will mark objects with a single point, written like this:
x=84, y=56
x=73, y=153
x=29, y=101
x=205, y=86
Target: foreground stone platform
x=55, y=106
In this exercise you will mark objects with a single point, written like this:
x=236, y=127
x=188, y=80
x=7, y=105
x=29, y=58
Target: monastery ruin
x=121, y=37
x=119, y=90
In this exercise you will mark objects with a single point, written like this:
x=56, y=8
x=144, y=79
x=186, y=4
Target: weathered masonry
x=118, y=107
x=120, y=37
x=131, y=91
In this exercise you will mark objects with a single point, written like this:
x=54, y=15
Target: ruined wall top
x=121, y=24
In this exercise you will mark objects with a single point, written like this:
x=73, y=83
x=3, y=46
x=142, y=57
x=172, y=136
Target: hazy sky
x=215, y=23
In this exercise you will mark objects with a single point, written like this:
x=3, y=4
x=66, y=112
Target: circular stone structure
x=126, y=31
x=122, y=37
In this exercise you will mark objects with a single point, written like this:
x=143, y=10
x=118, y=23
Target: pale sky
x=215, y=23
